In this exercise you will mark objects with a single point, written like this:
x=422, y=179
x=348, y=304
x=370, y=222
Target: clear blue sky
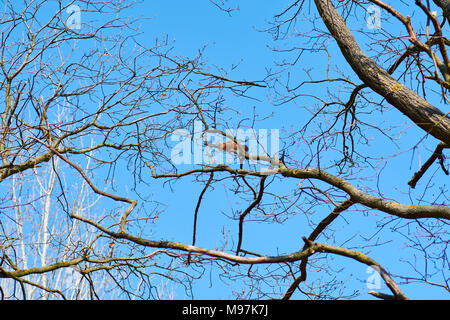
x=238, y=39
x=235, y=40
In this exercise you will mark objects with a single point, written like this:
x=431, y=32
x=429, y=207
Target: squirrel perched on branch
x=229, y=146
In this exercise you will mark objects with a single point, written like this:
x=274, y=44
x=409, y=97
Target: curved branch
x=445, y=6
x=358, y=256
x=420, y=111
x=310, y=249
x=199, y=250
x=437, y=154
x=356, y=195
x=247, y=211
x=312, y=237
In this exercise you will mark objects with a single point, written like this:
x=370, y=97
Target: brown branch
x=247, y=211
x=445, y=6
x=440, y=37
x=421, y=112
x=312, y=237
x=296, y=256
x=194, y=249
x=358, y=256
x=197, y=207
x=356, y=195
x=383, y=296
x=132, y=203
x=24, y=272
x=437, y=154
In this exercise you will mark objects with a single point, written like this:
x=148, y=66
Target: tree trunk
x=422, y=113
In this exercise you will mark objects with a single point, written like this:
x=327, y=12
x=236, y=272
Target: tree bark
x=445, y=6
x=420, y=111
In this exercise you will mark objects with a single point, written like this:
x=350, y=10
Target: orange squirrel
x=229, y=146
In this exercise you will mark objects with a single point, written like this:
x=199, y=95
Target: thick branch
x=437, y=154
x=356, y=195
x=422, y=113
x=445, y=6
x=312, y=237
x=194, y=249
x=296, y=256
x=358, y=256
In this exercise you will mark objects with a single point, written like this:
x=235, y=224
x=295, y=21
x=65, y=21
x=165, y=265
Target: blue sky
x=238, y=44
x=235, y=39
